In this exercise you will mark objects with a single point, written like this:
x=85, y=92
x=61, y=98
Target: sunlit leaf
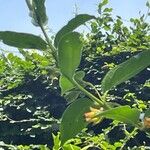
x=69, y=53
x=71, y=147
x=72, y=25
x=126, y=70
x=22, y=40
x=56, y=141
x=103, y=3
x=124, y=114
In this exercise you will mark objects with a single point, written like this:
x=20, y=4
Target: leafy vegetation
x=90, y=88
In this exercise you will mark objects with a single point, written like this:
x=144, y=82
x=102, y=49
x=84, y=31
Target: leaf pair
x=73, y=120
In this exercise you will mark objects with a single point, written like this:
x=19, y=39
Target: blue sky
x=14, y=13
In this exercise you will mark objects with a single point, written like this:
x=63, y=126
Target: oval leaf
x=73, y=119
x=72, y=25
x=126, y=70
x=124, y=114
x=69, y=53
x=65, y=85
x=22, y=40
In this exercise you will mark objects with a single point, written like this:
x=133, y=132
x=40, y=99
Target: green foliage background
x=31, y=104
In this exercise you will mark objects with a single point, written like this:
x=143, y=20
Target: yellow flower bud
x=89, y=114
x=91, y=117
x=146, y=122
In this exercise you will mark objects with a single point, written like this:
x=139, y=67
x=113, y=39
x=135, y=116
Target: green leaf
x=65, y=84
x=148, y=3
x=71, y=147
x=72, y=25
x=103, y=3
x=126, y=70
x=73, y=119
x=56, y=141
x=124, y=114
x=72, y=95
x=69, y=53
x=22, y=40
x=79, y=75
x=37, y=12
x=108, y=10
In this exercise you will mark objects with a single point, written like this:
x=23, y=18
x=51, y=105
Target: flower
x=146, y=122
x=91, y=117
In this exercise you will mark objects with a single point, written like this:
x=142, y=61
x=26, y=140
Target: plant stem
x=88, y=93
x=49, y=42
x=90, y=84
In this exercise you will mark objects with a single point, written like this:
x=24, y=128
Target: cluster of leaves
x=29, y=98
x=109, y=36
x=4, y=146
x=114, y=77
